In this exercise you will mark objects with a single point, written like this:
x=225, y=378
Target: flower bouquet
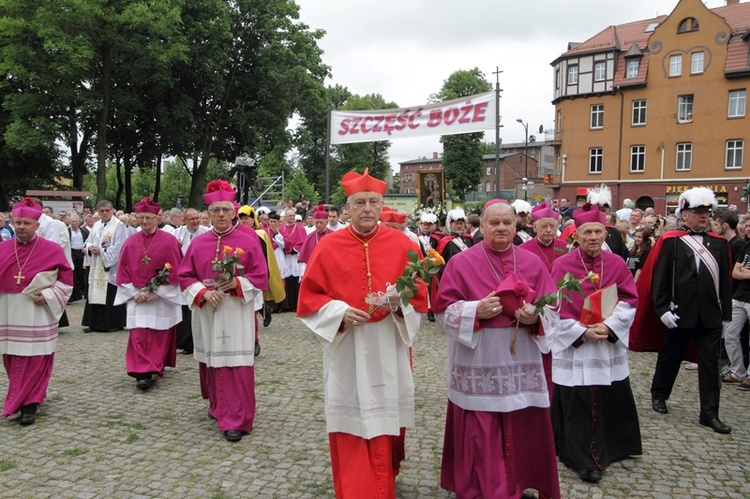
x=161, y=277
x=553, y=301
x=417, y=271
x=228, y=265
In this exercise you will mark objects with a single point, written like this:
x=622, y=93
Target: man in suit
x=692, y=295
x=78, y=235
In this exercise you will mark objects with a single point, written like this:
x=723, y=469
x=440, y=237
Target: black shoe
x=430, y=316
x=233, y=435
x=268, y=316
x=88, y=330
x=27, y=418
x=187, y=352
x=592, y=476
x=717, y=426
x=143, y=384
x=659, y=405
x=257, y=348
x=210, y=416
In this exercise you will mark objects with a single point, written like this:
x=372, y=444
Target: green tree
x=462, y=154
x=299, y=187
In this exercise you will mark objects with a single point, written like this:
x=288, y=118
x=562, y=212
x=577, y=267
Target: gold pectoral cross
x=18, y=277
x=145, y=259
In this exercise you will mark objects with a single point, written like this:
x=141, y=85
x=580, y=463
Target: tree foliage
x=462, y=154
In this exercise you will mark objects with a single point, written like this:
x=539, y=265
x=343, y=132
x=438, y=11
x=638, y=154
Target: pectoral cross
x=18, y=277
x=223, y=337
x=145, y=259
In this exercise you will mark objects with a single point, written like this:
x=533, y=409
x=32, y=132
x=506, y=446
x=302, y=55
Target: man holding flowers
x=222, y=277
x=498, y=436
x=145, y=283
x=593, y=411
x=366, y=336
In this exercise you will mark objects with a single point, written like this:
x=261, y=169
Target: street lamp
x=526, y=182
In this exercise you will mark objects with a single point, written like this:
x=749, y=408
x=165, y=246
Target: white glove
x=669, y=319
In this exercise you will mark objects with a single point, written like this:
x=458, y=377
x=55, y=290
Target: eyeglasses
x=374, y=202
x=221, y=210
x=145, y=218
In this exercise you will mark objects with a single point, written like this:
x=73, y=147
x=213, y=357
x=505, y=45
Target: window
x=634, y=65
x=595, y=160
x=734, y=153
x=684, y=156
x=737, y=99
x=407, y=177
x=637, y=159
x=688, y=24
x=675, y=65
x=600, y=71
x=639, y=112
x=486, y=187
x=597, y=116
x=696, y=63
x=488, y=170
x=573, y=75
x=559, y=120
x=557, y=78
x=685, y=109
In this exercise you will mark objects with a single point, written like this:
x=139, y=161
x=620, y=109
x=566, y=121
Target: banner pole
x=328, y=154
x=497, y=130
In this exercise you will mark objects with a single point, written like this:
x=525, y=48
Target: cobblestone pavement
x=98, y=436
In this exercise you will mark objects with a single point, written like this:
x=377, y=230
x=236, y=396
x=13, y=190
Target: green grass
x=74, y=452
x=7, y=465
x=133, y=437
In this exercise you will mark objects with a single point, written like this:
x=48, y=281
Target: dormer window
x=634, y=65
x=688, y=24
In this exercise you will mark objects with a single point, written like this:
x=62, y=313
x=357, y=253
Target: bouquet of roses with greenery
x=161, y=277
x=417, y=271
x=228, y=265
x=568, y=284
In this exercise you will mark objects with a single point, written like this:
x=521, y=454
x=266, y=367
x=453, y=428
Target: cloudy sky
x=405, y=49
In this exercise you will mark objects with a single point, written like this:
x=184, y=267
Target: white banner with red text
x=475, y=113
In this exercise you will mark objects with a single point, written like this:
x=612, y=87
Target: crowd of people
x=540, y=305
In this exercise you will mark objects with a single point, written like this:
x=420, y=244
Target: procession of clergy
x=536, y=370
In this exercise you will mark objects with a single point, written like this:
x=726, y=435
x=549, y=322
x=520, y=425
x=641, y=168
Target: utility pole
x=497, y=131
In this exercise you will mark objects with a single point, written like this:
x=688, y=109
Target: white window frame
x=685, y=108
x=684, y=157
x=559, y=120
x=600, y=71
x=633, y=67
x=697, y=60
x=737, y=103
x=639, y=112
x=596, y=160
x=597, y=117
x=573, y=74
x=486, y=187
x=488, y=170
x=637, y=159
x=675, y=65
x=735, y=150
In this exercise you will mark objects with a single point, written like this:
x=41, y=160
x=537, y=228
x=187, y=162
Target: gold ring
x=355, y=323
x=494, y=309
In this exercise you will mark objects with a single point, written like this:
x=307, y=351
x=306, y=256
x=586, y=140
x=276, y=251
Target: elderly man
x=223, y=306
x=154, y=304
x=688, y=276
x=35, y=283
x=369, y=392
x=498, y=436
x=77, y=235
x=593, y=409
x=546, y=245
x=103, y=254
x=320, y=218
x=293, y=238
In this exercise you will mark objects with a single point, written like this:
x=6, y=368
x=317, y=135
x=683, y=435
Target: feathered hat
x=454, y=215
x=428, y=217
x=601, y=196
x=521, y=206
x=696, y=197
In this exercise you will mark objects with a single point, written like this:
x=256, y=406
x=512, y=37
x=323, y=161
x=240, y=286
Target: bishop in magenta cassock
x=546, y=245
x=224, y=313
x=369, y=388
x=36, y=281
x=152, y=316
x=593, y=411
x=293, y=236
x=498, y=435
x=320, y=219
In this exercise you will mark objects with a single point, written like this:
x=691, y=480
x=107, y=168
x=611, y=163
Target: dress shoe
x=430, y=316
x=267, y=316
x=730, y=379
x=717, y=426
x=233, y=435
x=592, y=476
x=745, y=385
x=143, y=384
x=27, y=418
x=210, y=416
x=187, y=352
x=88, y=330
x=659, y=405
x=257, y=348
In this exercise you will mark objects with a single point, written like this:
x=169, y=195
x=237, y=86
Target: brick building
x=656, y=106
